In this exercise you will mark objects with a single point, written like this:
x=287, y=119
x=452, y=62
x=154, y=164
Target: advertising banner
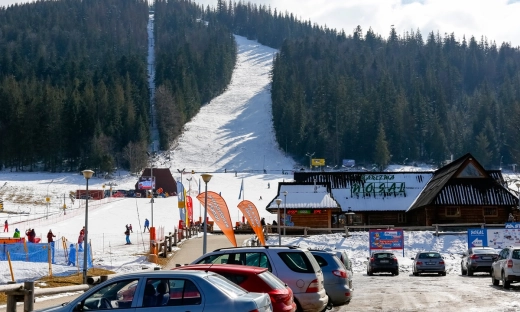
x=180, y=195
x=146, y=183
x=495, y=238
x=189, y=208
x=251, y=213
x=219, y=212
x=386, y=239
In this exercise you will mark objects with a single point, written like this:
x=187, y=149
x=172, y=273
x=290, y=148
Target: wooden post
x=28, y=300
x=175, y=237
x=170, y=242
x=11, y=299
x=10, y=266
x=436, y=230
x=304, y=232
x=49, y=258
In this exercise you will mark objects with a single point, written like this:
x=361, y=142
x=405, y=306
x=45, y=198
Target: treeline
x=386, y=100
x=73, y=83
x=195, y=57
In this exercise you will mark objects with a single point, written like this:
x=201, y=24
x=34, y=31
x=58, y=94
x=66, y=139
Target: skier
x=127, y=233
x=72, y=255
x=146, y=225
x=16, y=233
x=6, y=226
x=50, y=240
x=130, y=228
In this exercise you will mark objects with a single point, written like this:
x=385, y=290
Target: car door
x=172, y=294
x=120, y=295
x=498, y=264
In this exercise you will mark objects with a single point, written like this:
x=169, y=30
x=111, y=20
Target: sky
x=495, y=19
x=232, y=138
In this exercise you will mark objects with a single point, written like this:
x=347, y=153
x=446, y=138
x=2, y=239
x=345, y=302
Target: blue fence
x=37, y=253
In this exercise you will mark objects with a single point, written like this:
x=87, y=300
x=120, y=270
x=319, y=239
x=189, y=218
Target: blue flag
x=241, y=189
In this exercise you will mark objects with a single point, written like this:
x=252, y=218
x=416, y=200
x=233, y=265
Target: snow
x=231, y=138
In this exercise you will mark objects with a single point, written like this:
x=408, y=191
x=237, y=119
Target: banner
x=189, y=207
x=251, y=213
x=219, y=212
x=386, y=239
x=180, y=194
x=495, y=238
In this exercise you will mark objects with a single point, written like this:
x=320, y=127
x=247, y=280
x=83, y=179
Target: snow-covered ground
x=232, y=138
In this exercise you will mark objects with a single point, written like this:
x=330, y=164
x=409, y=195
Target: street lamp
x=278, y=202
x=87, y=174
x=206, y=177
x=284, y=212
x=310, y=159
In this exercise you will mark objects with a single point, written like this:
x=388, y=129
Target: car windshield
x=484, y=251
x=383, y=255
x=226, y=286
x=429, y=255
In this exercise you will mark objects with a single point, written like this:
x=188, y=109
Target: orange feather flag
x=251, y=213
x=219, y=212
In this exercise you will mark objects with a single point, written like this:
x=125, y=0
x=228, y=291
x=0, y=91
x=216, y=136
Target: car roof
x=154, y=274
x=236, y=268
x=261, y=247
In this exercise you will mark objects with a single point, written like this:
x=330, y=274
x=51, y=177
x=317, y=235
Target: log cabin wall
x=470, y=214
x=314, y=221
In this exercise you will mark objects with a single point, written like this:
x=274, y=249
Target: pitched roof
x=464, y=182
x=303, y=196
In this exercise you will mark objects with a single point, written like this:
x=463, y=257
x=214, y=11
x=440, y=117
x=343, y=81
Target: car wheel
x=463, y=272
x=444, y=273
x=370, y=273
x=494, y=280
x=415, y=274
x=396, y=272
x=470, y=272
x=505, y=283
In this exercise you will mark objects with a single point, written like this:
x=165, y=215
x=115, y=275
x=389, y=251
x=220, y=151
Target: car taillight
x=255, y=310
x=314, y=286
x=474, y=257
x=395, y=260
x=275, y=298
x=340, y=273
x=441, y=262
x=372, y=259
x=419, y=262
x=509, y=263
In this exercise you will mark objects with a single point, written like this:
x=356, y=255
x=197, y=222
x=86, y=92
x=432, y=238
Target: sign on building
x=318, y=162
x=146, y=183
x=386, y=239
x=495, y=238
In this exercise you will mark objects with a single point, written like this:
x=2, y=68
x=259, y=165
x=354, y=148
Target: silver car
x=194, y=291
x=337, y=279
x=507, y=267
x=428, y=262
x=295, y=266
x=477, y=259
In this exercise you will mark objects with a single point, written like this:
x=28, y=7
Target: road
x=383, y=292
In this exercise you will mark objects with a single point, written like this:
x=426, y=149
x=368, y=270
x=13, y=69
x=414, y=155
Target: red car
x=253, y=279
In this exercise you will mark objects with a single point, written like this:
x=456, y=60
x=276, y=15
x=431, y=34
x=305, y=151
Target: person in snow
x=72, y=255
x=50, y=240
x=127, y=233
x=146, y=225
x=6, y=226
x=81, y=237
x=31, y=234
x=16, y=233
x=262, y=221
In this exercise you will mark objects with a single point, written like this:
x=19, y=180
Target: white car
x=195, y=291
x=507, y=267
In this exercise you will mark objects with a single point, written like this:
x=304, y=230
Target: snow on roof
x=304, y=197
x=388, y=192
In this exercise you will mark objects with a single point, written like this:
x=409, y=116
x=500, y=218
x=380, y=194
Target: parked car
x=196, y=291
x=255, y=279
x=507, y=267
x=294, y=265
x=428, y=262
x=382, y=262
x=336, y=277
x=344, y=258
x=477, y=259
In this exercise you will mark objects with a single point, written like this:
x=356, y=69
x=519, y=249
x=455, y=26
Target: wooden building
x=163, y=179
x=463, y=192
x=460, y=192
x=306, y=204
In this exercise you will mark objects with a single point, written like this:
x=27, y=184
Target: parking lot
x=430, y=292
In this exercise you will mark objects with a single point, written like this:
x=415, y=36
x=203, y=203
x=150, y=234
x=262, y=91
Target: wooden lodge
x=460, y=192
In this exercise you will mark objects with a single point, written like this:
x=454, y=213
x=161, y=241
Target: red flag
x=251, y=213
x=189, y=207
x=219, y=212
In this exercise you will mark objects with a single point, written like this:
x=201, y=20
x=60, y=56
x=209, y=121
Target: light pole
x=284, y=212
x=310, y=159
x=151, y=182
x=278, y=202
x=206, y=177
x=87, y=174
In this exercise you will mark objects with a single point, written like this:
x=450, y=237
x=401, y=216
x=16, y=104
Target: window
x=470, y=172
x=117, y=295
x=357, y=219
x=170, y=292
x=297, y=262
x=452, y=212
x=490, y=212
x=401, y=217
x=258, y=259
x=322, y=262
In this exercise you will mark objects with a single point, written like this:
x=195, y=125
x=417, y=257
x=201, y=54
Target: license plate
x=487, y=258
x=431, y=263
x=383, y=261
